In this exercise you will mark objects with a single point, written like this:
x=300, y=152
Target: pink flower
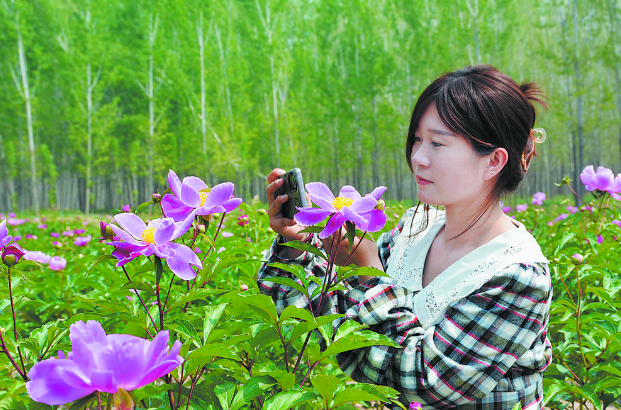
x=244, y=287
x=560, y=218
x=197, y=250
x=226, y=234
x=602, y=180
x=538, y=198
x=415, y=406
x=506, y=209
x=600, y=239
x=79, y=231
x=126, y=208
x=54, y=234
x=37, y=256
x=577, y=259
x=617, y=222
x=42, y=226
x=243, y=220
x=57, y=263
x=82, y=240
x=521, y=207
x=572, y=209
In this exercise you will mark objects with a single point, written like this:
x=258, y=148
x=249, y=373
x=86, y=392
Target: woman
x=469, y=291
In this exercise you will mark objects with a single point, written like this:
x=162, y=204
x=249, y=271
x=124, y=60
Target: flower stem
x=98, y=401
x=356, y=247
x=168, y=294
x=19, y=350
x=143, y=305
x=6, y=351
x=210, y=248
x=310, y=369
x=297, y=363
x=109, y=402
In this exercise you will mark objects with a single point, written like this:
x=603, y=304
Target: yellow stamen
x=203, y=195
x=341, y=201
x=148, y=235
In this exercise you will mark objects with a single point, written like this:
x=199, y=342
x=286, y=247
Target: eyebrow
x=441, y=132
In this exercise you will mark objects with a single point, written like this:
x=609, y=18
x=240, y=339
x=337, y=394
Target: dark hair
x=490, y=111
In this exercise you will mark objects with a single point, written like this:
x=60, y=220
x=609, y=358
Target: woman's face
x=447, y=169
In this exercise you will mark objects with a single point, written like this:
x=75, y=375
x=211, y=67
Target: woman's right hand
x=288, y=228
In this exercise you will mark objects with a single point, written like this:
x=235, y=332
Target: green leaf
x=97, y=261
x=298, y=313
x=326, y=386
x=288, y=282
x=284, y=379
x=144, y=205
x=306, y=247
x=159, y=269
x=3, y=304
x=262, y=304
x=81, y=403
x=351, y=234
x=254, y=387
x=296, y=270
x=306, y=327
x=225, y=393
x=312, y=229
x=197, y=358
x=212, y=315
x=346, y=272
x=139, y=286
x=188, y=330
x=288, y=399
x=366, y=338
x=151, y=390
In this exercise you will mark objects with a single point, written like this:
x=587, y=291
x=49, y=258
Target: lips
x=422, y=181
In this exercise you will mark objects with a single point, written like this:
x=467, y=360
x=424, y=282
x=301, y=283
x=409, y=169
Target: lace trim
x=478, y=276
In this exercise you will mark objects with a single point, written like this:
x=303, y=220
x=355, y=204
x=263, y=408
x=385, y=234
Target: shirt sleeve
x=499, y=329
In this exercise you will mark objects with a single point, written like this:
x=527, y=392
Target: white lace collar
x=461, y=278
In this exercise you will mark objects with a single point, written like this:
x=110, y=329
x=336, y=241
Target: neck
x=458, y=231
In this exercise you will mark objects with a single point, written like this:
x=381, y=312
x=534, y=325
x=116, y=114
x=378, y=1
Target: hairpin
x=538, y=135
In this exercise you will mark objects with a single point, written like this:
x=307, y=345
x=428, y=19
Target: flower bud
x=244, y=287
x=556, y=260
x=201, y=228
x=577, y=259
x=415, y=406
x=381, y=205
x=157, y=198
x=122, y=400
x=262, y=211
x=11, y=254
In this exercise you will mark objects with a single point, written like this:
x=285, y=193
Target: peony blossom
x=194, y=197
x=348, y=206
x=113, y=363
x=538, y=198
x=82, y=240
x=138, y=238
x=521, y=207
x=126, y=208
x=37, y=256
x=57, y=263
x=601, y=180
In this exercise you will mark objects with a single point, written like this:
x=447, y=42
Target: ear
x=497, y=161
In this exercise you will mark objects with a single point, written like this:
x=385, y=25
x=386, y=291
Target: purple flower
x=137, y=238
x=12, y=215
x=572, y=209
x=5, y=238
x=243, y=220
x=226, y=234
x=602, y=180
x=69, y=232
x=79, y=231
x=600, y=239
x=577, y=259
x=617, y=222
x=37, y=256
x=126, y=208
x=194, y=197
x=538, y=198
x=55, y=235
x=17, y=238
x=107, y=363
x=560, y=218
x=197, y=250
x=57, y=263
x=348, y=206
x=82, y=240
x=506, y=209
x=57, y=244
x=521, y=207
x=42, y=226
x=415, y=406
x=106, y=232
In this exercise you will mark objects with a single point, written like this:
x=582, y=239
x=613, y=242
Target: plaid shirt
x=488, y=352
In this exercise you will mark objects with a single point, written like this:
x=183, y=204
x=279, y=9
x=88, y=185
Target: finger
x=275, y=207
x=273, y=188
x=276, y=172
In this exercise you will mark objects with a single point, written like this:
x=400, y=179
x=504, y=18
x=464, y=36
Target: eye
x=436, y=144
x=417, y=139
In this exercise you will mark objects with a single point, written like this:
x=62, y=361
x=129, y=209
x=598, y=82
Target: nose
x=419, y=156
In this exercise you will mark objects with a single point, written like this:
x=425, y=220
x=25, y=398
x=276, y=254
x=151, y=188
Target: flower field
x=159, y=308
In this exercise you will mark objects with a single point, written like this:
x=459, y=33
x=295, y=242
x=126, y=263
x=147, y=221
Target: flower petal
x=174, y=182
x=56, y=381
x=103, y=380
x=131, y=223
x=124, y=236
x=363, y=204
x=164, y=232
x=311, y=216
x=333, y=225
x=195, y=182
x=352, y=216
x=182, y=227
x=349, y=191
x=319, y=190
x=377, y=192
x=180, y=263
x=163, y=252
x=174, y=208
x=219, y=194
x=190, y=196
x=376, y=219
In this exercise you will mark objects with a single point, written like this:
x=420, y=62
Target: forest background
x=98, y=99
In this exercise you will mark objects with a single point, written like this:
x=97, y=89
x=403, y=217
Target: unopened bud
x=201, y=228
x=157, y=198
x=122, y=400
x=262, y=211
x=9, y=260
x=577, y=259
x=556, y=260
x=381, y=205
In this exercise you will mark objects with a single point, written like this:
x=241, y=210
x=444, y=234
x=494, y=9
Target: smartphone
x=294, y=188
